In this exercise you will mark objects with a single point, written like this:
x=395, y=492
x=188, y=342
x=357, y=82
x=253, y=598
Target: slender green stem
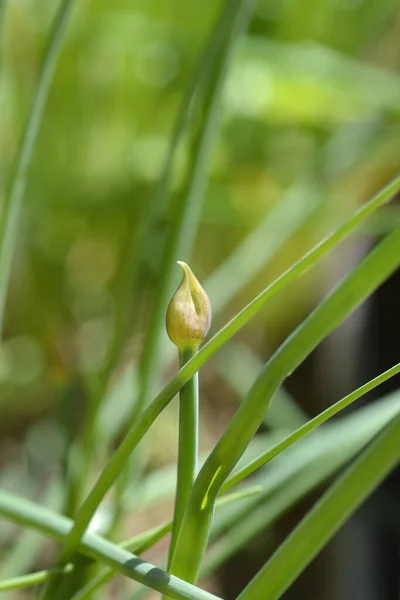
x=24, y=581
x=354, y=288
x=324, y=519
x=188, y=445
x=118, y=461
x=269, y=454
x=17, y=182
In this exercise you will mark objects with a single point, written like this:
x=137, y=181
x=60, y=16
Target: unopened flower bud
x=189, y=312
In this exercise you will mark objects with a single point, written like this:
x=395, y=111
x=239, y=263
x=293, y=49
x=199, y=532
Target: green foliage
x=266, y=170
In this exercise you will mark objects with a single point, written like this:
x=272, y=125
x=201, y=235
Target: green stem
x=119, y=459
x=355, y=288
x=17, y=182
x=324, y=519
x=24, y=581
x=188, y=446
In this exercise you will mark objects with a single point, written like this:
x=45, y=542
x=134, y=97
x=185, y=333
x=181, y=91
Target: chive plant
x=202, y=538
x=188, y=322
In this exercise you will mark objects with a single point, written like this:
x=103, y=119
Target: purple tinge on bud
x=189, y=312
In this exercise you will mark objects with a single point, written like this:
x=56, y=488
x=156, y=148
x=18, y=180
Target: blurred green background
x=309, y=129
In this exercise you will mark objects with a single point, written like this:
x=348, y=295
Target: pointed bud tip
x=189, y=312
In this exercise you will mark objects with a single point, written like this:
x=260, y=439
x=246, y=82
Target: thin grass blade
x=18, y=178
x=322, y=522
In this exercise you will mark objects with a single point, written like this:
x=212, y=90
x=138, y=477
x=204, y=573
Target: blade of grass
x=265, y=457
x=295, y=474
x=342, y=438
x=329, y=514
x=24, y=581
x=17, y=182
x=350, y=293
x=28, y=546
x=326, y=454
x=118, y=460
x=190, y=105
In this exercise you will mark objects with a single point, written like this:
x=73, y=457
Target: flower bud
x=189, y=312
